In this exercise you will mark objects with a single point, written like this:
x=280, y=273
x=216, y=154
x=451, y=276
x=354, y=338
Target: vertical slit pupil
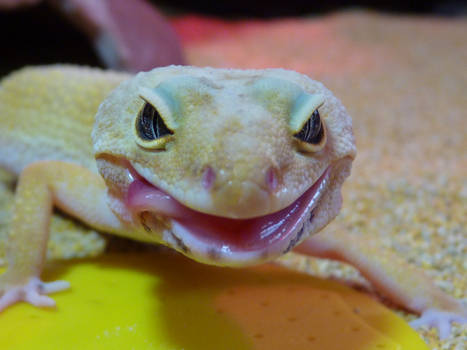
x=312, y=131
x=160, y=129
x=150, y=125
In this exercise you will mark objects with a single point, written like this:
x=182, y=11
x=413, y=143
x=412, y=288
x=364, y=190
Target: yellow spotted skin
x=48, y=113
x=238, y=123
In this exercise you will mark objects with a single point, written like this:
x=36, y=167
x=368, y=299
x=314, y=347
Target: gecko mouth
x=219, y=240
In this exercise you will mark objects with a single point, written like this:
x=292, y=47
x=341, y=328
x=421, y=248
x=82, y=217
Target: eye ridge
x=150, y=125
x=312, y=132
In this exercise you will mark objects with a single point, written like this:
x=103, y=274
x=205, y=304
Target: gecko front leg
x=395, y=279
x=41, y=186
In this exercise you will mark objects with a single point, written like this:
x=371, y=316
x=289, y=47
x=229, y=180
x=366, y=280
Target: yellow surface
x=162, y=301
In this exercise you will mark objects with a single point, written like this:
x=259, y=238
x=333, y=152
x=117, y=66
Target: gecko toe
x=33, y=292
x=9, y=298
x=440, y=320
x=36, y=299
x=53, y=287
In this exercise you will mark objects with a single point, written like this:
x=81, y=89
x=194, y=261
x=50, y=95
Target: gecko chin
x=224, y=241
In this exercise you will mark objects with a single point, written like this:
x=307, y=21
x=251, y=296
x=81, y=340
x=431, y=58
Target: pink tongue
x=237, y=234
x=142, y=196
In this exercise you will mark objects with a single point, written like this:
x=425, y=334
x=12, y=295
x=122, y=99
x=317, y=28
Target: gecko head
x=229, y=167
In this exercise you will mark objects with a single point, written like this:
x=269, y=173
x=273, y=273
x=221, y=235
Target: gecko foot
x=439, y=319
x=33, y=292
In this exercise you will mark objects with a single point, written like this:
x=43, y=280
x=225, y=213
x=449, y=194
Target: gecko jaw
x=218, y=240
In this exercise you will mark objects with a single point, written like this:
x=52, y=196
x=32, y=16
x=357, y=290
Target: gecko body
x=229, y=167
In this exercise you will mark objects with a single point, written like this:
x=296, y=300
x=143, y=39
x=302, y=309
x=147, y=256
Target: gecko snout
x=242, y=196
x=271, y=178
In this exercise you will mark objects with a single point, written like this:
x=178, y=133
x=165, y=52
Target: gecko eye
x=151, y=130
x=312, y=136
x=306, y=124
x=312, y=131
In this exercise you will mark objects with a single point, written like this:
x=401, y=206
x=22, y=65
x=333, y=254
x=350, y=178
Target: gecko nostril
x=271, y=179
x=208, y=178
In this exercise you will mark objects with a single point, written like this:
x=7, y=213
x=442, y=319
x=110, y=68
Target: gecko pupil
x=312, y=132
x=150, y=125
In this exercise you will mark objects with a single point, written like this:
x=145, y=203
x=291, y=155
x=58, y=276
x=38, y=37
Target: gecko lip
x=232, y=241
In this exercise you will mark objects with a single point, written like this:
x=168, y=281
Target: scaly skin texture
x=231, y=153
